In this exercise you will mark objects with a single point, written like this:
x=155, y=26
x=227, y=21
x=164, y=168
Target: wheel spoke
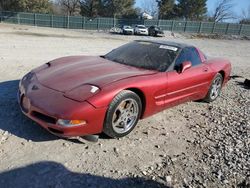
x=117, y=123
x=218, y=87
x=121, y=109
x=133, y=117
x=129, y=106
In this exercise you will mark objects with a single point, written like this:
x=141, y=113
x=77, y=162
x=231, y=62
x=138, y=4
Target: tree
x=150, y=7
x=70, y=7
x=118, y=8
x=132, y=13
x=166, y=9
x=223, y=11
x=192, y=9
x=91, y=8
x=40, y=6
x=245, y=18
x=11, y=5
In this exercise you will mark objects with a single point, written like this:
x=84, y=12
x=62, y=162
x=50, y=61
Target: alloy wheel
x=125, y=116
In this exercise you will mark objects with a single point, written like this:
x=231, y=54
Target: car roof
x=170, y=43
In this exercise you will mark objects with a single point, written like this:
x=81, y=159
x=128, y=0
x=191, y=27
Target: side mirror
x=186, y=65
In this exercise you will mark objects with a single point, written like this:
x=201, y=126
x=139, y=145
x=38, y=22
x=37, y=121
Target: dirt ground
x=192, y=145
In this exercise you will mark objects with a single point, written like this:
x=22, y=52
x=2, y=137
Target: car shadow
x=241, y=81
x=51, y=174
x=12, y=119
x=243, y=84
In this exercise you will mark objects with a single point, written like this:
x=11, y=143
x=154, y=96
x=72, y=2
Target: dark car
x=155, y=31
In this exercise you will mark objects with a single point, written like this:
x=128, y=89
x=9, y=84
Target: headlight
x=28, y=76
x=27, y=79
x=71, y=123
x=82, y=93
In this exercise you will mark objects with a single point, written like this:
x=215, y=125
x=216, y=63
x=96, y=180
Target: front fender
x=151, y=86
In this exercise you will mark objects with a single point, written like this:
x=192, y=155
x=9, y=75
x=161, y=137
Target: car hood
x=67, y=73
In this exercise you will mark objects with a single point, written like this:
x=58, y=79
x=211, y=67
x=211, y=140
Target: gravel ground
x=192, y=145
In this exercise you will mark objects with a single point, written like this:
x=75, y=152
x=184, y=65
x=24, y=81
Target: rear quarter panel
x=217, y=65
x=221, y=65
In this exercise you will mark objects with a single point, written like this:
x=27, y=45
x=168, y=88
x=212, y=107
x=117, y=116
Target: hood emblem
x=94, y=89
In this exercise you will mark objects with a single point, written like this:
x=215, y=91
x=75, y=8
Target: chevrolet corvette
x=87, y=95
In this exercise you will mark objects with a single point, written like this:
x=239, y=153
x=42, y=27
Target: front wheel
x=215, y=88
x=123, y=114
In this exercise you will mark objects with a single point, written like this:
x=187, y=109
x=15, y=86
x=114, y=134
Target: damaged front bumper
x=46, y=106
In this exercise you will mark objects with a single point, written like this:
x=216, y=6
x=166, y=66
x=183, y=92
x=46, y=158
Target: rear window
x=146, y=55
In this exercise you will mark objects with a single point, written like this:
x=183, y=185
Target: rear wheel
x=123, y=114
x=152, y=33
x=215, y=88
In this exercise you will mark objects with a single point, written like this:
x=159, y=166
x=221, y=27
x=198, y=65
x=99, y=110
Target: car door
x=190, y=84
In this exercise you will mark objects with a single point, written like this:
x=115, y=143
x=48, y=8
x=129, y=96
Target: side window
x=181, y=58
x=193, y=56
x=187, y=54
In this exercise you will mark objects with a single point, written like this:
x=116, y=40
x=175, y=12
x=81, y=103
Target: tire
x=123, y=114
x=151, y=33
x=215, y=88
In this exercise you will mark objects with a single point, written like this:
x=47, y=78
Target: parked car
x=141, y=30
x=127, y=30
x=155, y=31
x=84, y=95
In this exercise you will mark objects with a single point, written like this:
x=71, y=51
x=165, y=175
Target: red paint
x=72, y=76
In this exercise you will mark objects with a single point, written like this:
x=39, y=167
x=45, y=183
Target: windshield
x=141, y=27
x=146, y=55
x=127, y=27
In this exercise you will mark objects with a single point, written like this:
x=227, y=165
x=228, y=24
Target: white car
x=141, y=30
x=127, y=30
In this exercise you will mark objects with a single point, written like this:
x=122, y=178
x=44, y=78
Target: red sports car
x=85, y=95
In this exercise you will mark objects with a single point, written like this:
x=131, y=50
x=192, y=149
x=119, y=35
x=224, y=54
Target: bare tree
x=70, y=7
x=150, y=7
x=244, y=18
x=223, y=11
x=245, y=13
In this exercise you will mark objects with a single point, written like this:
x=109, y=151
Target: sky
x=239, y=5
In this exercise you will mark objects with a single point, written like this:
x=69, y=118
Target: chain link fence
x=100, y=23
